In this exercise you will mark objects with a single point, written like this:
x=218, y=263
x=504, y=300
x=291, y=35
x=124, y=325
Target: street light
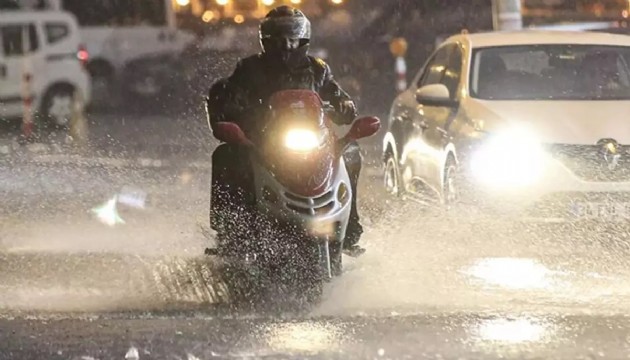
x=296, y=2
x=183, y=2
x=222, y=2
x=268, y=2
x=207, y=16
x=337, y=2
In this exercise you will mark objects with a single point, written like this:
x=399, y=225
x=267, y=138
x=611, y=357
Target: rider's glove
x=347, y=110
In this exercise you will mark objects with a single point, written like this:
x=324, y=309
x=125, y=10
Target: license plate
x=601, y=210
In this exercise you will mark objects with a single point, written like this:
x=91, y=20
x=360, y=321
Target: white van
x=41, y=58
x=118, y=32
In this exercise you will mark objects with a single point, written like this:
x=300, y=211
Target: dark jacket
x=242, y=96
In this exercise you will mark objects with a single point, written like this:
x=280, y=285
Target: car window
x=33, y=38
x=56, y=32
x=13, y=39
x=551, y=72
x=452, y=75
x=435, y=67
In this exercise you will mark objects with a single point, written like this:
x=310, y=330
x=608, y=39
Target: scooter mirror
x=363, y=127
x=230, y=133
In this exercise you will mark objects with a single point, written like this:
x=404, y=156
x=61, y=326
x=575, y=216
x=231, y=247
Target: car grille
x=588, y=162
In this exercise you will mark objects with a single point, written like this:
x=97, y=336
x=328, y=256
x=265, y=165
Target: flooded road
x=430, y=336
x=76, y=286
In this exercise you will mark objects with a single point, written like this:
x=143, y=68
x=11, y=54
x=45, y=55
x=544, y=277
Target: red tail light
x=83, y=55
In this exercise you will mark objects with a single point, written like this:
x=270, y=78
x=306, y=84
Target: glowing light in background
x=296, y=2
x=108, y=214
x=304, y=337
x=239, y=19
x=207, y=16
x=222, y=2
x=268, y=2
x=512, y=273
x=511, y=331
x=183, y=2
x=337, y=2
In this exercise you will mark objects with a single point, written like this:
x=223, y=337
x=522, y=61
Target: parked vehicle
x=42, y=58
x=118, y=33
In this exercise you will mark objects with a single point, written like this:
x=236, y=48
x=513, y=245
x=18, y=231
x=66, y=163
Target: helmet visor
x=286, y=27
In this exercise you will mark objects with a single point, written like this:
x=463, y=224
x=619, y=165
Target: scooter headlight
x=301, y=140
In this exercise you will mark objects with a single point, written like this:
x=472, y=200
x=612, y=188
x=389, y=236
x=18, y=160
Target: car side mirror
x=230, y=133
x=435, y=95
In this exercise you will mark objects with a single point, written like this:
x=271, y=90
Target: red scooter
x=302, y=192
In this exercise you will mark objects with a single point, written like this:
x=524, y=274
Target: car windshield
x=551, y=72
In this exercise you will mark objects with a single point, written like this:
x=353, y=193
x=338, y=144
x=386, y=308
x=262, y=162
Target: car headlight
x=511, y=158
x=301, y=140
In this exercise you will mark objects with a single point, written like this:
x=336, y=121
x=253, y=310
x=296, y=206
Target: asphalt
x=430, y=336
x=431, y=285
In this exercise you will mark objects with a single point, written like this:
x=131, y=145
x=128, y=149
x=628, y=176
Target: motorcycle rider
x=283, y=64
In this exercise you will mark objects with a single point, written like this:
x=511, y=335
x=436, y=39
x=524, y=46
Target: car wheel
x=58, y=106
x=457, y=197
x=392, y=178
x=452, y=185
x=101, y=86
x=104, y=94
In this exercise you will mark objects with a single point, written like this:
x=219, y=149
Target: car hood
x=566, y=122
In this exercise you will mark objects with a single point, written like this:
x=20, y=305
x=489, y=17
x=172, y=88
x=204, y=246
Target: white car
x=41, y=58
x=529, y=123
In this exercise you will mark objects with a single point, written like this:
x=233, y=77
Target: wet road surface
x=429, y=336
x=430, y=286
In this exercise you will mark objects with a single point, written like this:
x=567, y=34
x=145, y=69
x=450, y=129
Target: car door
x=438, y=119
x=425, y=118
x=20, y=42
x=4, y=73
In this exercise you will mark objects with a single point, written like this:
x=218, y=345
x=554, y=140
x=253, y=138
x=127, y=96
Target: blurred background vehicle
x=42, y=65
x=117, y=33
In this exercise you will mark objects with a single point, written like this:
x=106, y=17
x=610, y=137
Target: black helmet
x=285, y=22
